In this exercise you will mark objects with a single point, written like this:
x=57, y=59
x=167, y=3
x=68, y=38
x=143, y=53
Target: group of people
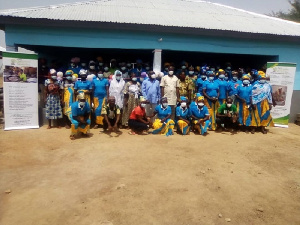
x=186, y=99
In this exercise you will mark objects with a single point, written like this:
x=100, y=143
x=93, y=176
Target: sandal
x=72, y=137
x=131, y=133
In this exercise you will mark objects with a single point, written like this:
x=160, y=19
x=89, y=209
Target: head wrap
x=254, y=72
x=200, y=98
x=81, y=96
x=208, y=73
x=183, y=98
x=261, y=74
x=143, y=74
x=52, y=71
x=91, y=77
x=82, y=72
x=245, y=77
x=69, y=72
x=60, y=74
x=118, y=72
x=74, y=77
x=196, y=95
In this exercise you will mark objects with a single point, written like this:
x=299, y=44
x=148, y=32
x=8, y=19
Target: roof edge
x=7, y=20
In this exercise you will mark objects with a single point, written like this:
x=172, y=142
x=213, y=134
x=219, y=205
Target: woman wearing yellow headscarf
x=200, y=117
x=69, y=95
x=164, y=125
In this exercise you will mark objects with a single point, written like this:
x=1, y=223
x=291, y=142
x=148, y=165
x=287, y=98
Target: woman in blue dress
x=183, y=116
x=211, y=93
x=101, y=87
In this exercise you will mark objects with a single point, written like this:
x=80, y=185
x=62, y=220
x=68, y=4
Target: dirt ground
x=45, y=178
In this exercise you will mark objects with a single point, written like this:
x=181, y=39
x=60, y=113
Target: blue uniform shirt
x=151, y=90
x=245, y=92
x=192, y=105
x=100, y=86
x=185, y=114
x=200, y=113
x=83, y=85
x=232, y=87
x=199, y=84
x=137, y=72
x=161, y=112
x=222, y=88
x=211, y=87
x=77, y=111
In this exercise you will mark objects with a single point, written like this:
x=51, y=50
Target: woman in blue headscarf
x=183, y=116
x=262, y=102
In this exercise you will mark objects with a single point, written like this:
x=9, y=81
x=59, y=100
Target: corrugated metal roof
x=174, y=13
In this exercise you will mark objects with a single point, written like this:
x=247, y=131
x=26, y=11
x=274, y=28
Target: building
x=183, y=29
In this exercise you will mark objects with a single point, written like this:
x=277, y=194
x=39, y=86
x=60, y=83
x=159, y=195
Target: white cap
x=82, y=72
x=60, y=74
x=90, y=77
x=52, y=71
x=160, y=74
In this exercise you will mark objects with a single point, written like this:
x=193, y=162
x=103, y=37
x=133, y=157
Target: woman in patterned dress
x=53, y=95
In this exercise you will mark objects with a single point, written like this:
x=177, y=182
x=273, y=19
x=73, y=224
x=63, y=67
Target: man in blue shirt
x=151, y=92
x=80, y=111
x=233, y=86
x=200, y=116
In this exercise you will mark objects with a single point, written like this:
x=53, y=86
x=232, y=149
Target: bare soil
x=45, y=178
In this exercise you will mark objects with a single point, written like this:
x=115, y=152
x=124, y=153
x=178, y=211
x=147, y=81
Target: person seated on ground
x=80, y=111
x=200, y=117
x=193, y=103
x=111, y=113
x=164, y=125
x=138, y=122
x=183, y=117
x=227, y=115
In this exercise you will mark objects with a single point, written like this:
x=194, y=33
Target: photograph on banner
x=20, y=74
x=279, y=94
x=282, y=77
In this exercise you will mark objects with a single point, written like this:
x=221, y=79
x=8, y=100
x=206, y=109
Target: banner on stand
x=20, y=89
x=282, y=77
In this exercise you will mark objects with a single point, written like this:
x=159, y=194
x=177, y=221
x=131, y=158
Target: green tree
x=293, y=14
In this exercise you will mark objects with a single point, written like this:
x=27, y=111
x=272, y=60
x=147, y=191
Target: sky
x=258, y=6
